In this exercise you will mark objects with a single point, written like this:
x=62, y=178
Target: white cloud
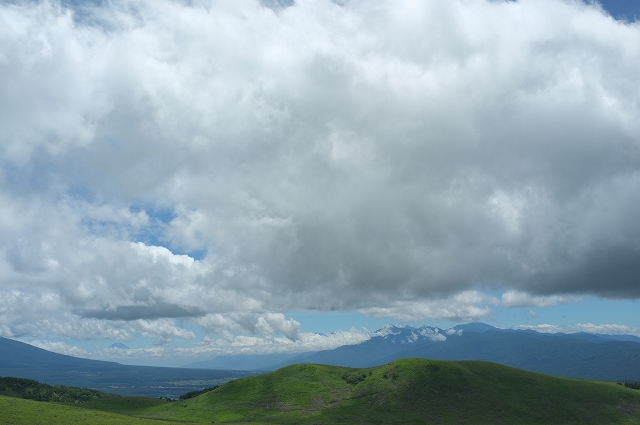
x=433, y=335
x=512, y=299
x=226, y=345
x=62, y=325
x=229, y=344
x=162, y=328
x=241, y=344
x=607, y=329
x=60, y=347
x=350, y=155
x=42, y=52
x=463, y=307
x=260, y=324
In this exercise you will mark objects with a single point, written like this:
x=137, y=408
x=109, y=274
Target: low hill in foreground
x=402, y=392
x=28, y=412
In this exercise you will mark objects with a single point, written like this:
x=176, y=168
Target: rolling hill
x=28, y=412
x=408, y=391
x=602, y=357
x=581, y=355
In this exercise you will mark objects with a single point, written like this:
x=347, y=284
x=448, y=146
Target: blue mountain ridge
x=21, y=360
x=578, y=355
x=581, y=355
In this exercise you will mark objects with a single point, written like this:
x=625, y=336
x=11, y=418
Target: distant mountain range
x=579, y=355
x=21, y=360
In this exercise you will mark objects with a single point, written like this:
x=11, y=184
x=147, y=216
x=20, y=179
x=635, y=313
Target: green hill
x=410, y=391
x=17, y=411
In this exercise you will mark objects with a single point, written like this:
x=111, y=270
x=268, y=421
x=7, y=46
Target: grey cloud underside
x=358, y=155
x=156, y=311
x=278, y=4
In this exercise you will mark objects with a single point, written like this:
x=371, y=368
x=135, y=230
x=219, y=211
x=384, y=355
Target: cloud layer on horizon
x=396, y=158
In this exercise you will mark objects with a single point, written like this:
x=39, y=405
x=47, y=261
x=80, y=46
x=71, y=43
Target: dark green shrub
x=192, y=394
x=354, y=378
x=34, y=390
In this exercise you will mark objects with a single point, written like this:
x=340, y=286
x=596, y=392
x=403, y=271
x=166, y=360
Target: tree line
x=192, y=394
x=632, y=385
x=34, y=390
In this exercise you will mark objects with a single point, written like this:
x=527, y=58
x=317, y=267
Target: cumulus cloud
x=260, y=324
x=466, y=306
x=60, y=347
x=163, y=328
x=391, y=157
x=522, y=299
x=227, y=344
x=241, y=344
x=607, y=329
x=63, y=325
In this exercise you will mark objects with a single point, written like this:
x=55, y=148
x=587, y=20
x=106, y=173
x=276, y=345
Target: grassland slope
x=15, y=411
x=408, y=391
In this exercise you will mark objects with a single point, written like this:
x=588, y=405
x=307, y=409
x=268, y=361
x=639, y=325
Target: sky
x=196, y=178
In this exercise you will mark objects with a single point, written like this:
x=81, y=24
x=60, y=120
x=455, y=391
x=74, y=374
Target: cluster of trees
x=192, y=394
x=393, y=374
x=354, y=378
x=34, y=390
x=632, y=385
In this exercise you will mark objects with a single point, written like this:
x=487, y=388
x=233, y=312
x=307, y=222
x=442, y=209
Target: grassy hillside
x=411, y=391
x=407, y=391
x=17, y=411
